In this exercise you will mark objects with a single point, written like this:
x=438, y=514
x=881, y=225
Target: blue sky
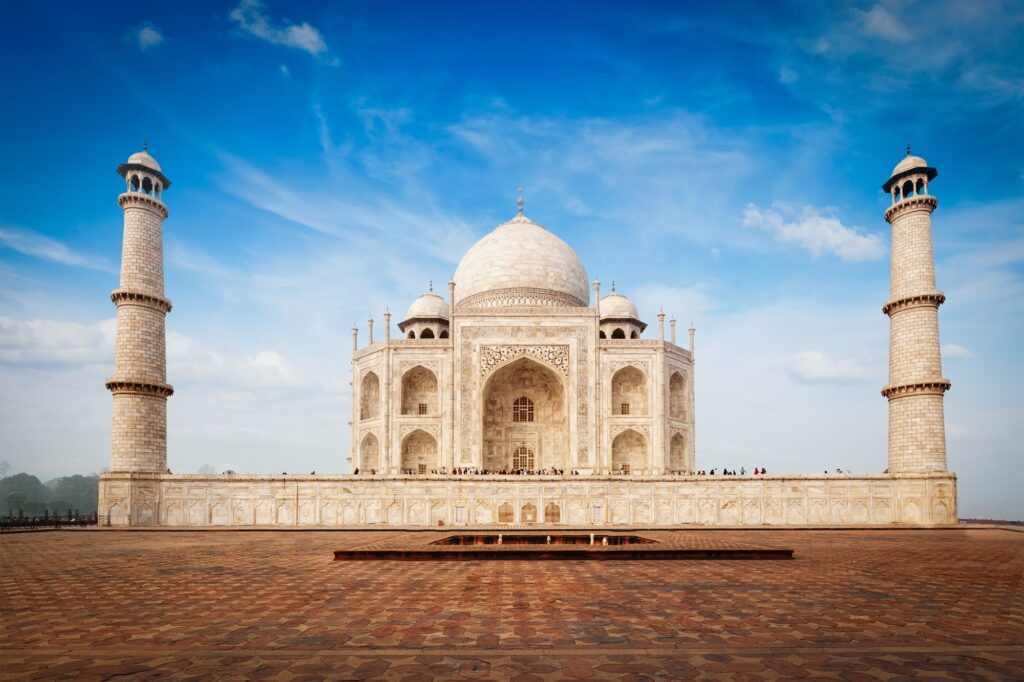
x=723, y=160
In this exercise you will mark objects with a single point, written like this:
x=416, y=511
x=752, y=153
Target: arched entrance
x=525, y=422
x=369, y=454
x=419, y=453
x=629, y=452
x=677, y=455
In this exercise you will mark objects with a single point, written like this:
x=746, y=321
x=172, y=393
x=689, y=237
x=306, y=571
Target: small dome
x=907, y=166
x=428, y=305
x=618, y=307
x=522, y=259
x=909, y=163
x=144, y=159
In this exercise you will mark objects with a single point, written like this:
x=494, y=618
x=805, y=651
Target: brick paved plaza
x=852, y=605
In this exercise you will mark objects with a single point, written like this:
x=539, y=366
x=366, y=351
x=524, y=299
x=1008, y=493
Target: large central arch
x=524, y=410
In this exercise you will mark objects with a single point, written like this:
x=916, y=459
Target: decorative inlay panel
x=433, y=429
x=405, y=365
x=642, y=365
x=616, y=429
x=493, y=356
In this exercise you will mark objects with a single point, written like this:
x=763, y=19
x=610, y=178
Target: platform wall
x=249, y=500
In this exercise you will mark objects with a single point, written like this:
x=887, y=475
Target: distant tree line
x=24, y=494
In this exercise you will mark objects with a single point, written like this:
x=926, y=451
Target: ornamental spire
x=519, y=202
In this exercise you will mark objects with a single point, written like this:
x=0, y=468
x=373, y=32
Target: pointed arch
x=629, y=391
x=677, y=396
x=677, y=455
x=419, y=391
x=618, y=333
x=515, y=392
x=419, y=452
x=369, y=453
x=629, y=452
x=427, y=333
x=369, y=396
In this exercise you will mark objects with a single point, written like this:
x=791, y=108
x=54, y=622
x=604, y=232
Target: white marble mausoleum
x=523, y=396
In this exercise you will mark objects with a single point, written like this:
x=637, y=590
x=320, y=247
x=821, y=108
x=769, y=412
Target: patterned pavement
x=852, y=605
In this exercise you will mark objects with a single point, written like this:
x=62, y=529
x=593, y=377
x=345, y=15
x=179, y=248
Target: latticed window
x=423, y=408
x=624, y=408
x=625, y=468
x=422, y=468
x=522, y=458
x=522, y=410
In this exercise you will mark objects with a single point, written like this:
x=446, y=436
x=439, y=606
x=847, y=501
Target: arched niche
x=543, y=427
x=618, y=333
x=427, y=333
x=629, y=391
x=419, y=452
x=419, y=392
x=677, y=397
x=677, y=455
x=369, y=397
x=629, y=452
x=369, y=454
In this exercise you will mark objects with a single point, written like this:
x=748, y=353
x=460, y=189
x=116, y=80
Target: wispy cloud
x=879, y=22
x=952, y=351
x=250, y=16
x=54, y=343
x=32, y=243
x=814, y=232
x=146, y=36
x=349, y=209
x=815, y=366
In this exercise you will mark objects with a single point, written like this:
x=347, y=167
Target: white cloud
x=189, y=362
x=249, y=15
x=878, y=22
x=147, y=36
x=50, y=342
x=32, y=243
x=810, y=230
x=814, y=366
x=787, y=75
x=685, y=303
x=952, y=351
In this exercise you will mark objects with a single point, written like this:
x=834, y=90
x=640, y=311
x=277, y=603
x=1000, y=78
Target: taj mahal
x=520, y=395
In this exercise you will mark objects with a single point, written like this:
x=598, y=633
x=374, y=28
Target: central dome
x=521, y=263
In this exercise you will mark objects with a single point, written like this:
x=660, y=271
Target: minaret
x=139, y=384
x=917, y=430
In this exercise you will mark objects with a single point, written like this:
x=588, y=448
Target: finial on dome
x=519, y=202
x=431, y=286
x=908, y=149
x=613, y=286
x=145, y=144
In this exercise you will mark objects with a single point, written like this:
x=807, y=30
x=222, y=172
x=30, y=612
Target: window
x=422, y=468
x=522, y=410
x=625, y=468
x=522, y=458
x=624, y=408
x=422, y=408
